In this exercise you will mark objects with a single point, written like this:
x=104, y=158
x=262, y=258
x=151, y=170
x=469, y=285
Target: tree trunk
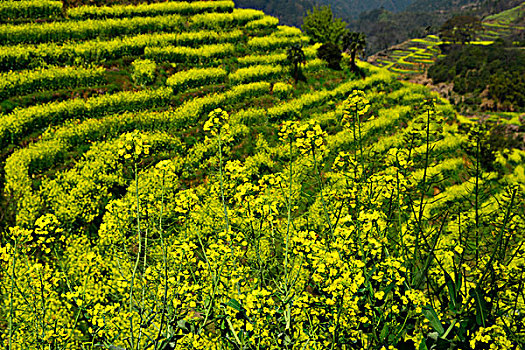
x=352, y=60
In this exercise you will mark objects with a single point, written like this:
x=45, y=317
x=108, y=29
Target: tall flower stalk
x=287, y=134
x=354, y=108
x=217, y=125
x=134, y=148
x=311, y=138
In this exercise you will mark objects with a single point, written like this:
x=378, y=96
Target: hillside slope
x=385, y=28
x=414, y=55
x=292, y=12
x=167, y=185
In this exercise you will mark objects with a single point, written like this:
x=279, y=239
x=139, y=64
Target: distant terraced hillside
x=415, y=55
x=504, y=24
x=165, y=184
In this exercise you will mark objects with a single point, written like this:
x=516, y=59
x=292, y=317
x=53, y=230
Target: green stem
x=216, y=277
x=476, y=203
x=399, y=224
x=11, y=297
x=322, y=197
x=360, y=144
x=500, y=237
x=423, y=182
x=68, y=283
x=222, y=186
x=355, y=137
x=43, y=303
x=137, y=260
x=289, y=220
x=144, y=283
x=165, y=262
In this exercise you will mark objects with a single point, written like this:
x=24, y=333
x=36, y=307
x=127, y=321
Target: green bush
x=331, y=54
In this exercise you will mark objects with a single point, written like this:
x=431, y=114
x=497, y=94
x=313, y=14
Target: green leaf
x=451, y=291
x=384, y=332
x=481, y=306
x=182, y=324
x=168, y=344
x=234, y=304
x=389, y=288
x=459, y=280
x=430, y=314
x=287, y=340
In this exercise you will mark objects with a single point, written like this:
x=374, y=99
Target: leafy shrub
x=18, y=123
x=273, y=42
x=263, y=23
x=202, y=54
x=330, y=53
x=255, y=73
x=274, y=58
x=239, y=17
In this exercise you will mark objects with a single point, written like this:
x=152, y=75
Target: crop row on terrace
x=25, y=10
x=219, y=205
x=29, y=10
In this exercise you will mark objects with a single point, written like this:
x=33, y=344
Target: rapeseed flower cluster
x=217, y=123
x=494, y=337
x=288, y=130
x=133, y=147
x=310, y=137
x=355, y=106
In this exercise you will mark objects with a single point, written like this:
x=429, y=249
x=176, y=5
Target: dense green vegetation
x=322, y=27
x=491, y=77
x=190, y=175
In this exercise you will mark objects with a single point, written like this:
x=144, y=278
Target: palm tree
x=296, y=56
x=354, y=43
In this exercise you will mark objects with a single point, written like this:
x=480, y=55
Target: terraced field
x=410, y=57
x=166, y=185
x=504, y=23
x=415, y=55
